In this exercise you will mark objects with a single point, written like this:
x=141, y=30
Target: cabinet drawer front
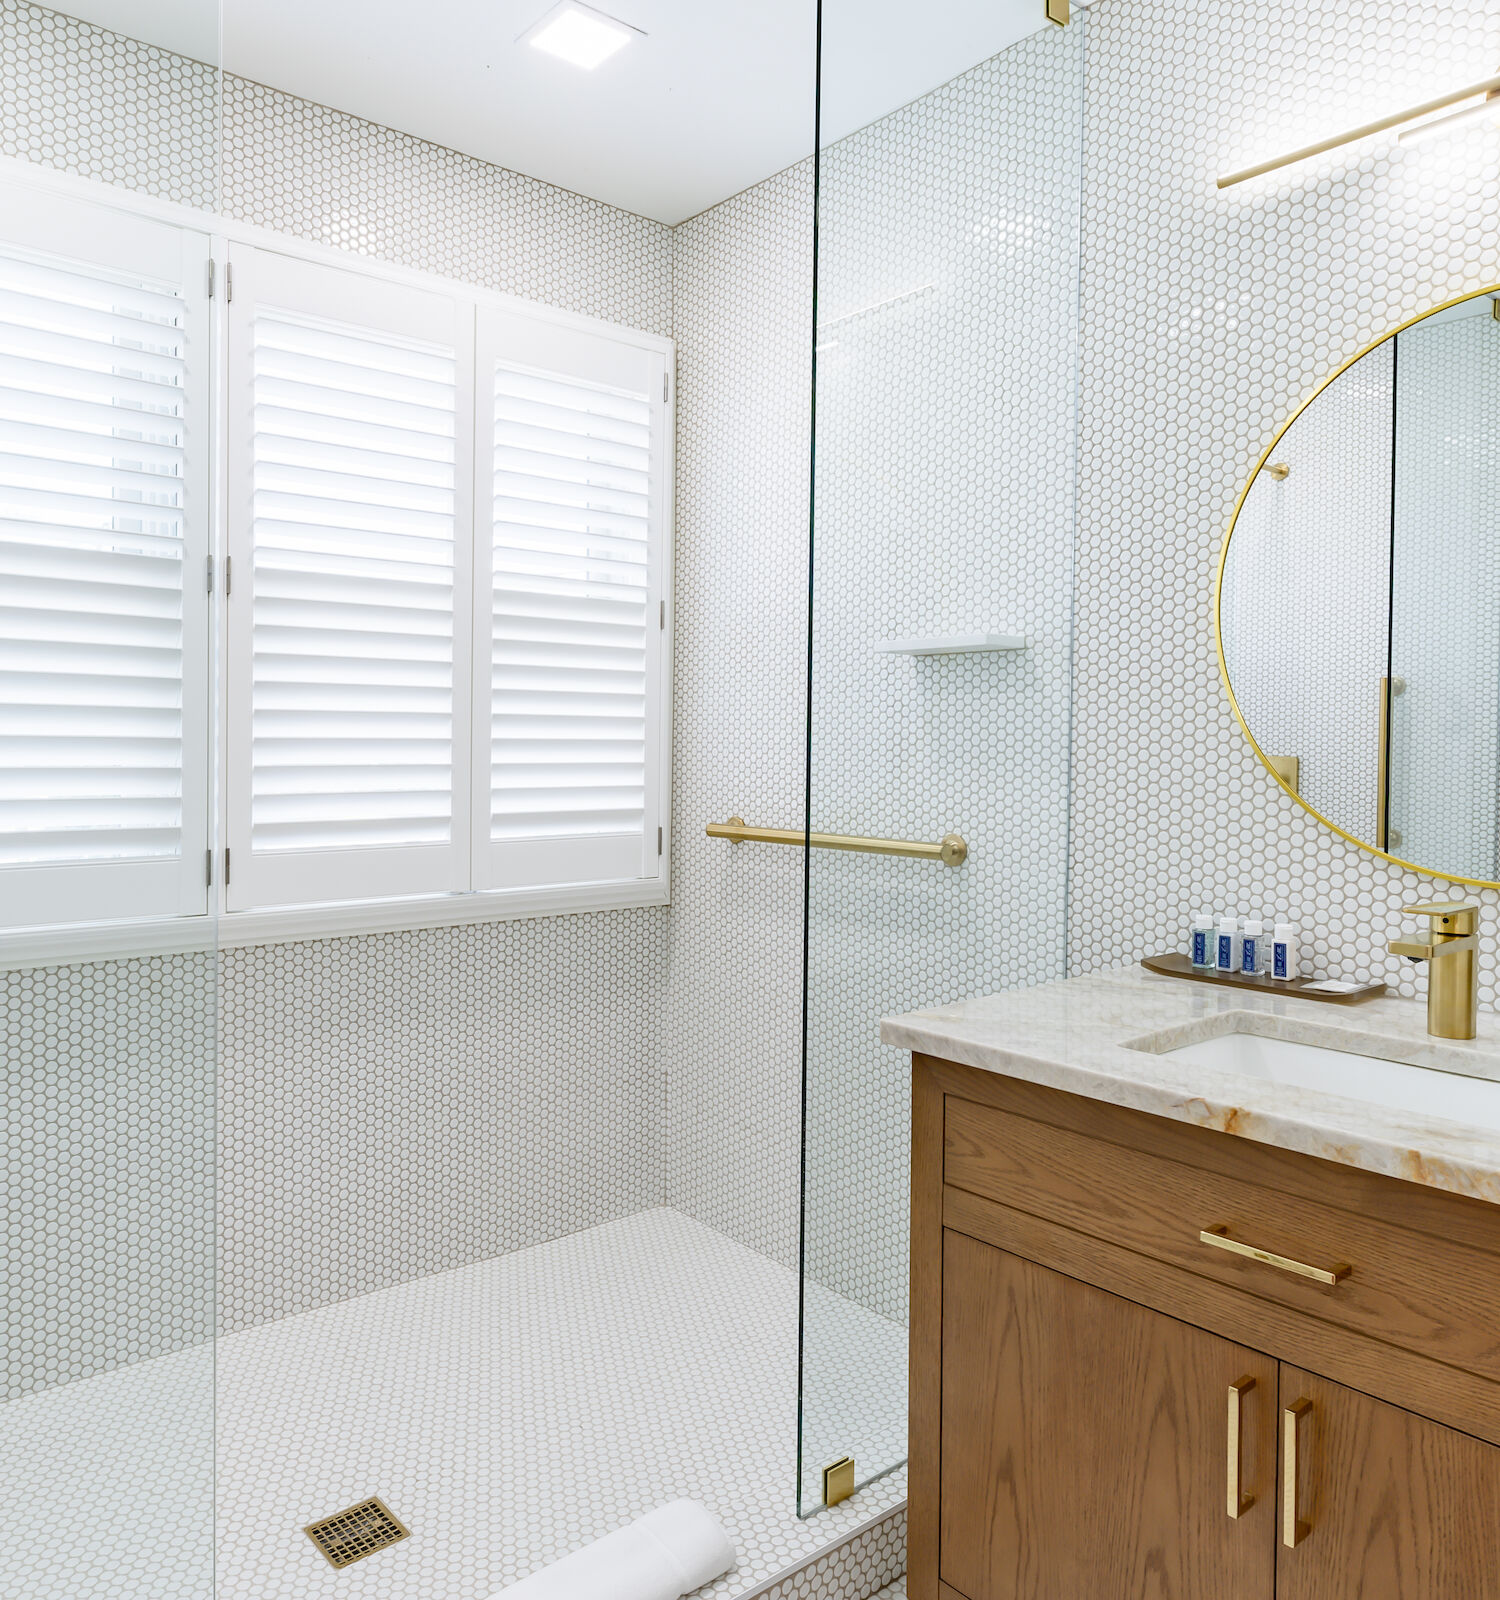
x=1424, y=1293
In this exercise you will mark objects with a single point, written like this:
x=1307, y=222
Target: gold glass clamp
x=838, y=1481
x=1220, y=1240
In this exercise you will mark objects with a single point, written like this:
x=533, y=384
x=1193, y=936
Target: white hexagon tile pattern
x=732, y=1022
x=106, y=107
x=108, y=1485
x=1208, y=317
x=305, y=170
x=405, y=1103
x=853, y=1571
x=109, y=1164
x=507, y=1411
x=513, y=1410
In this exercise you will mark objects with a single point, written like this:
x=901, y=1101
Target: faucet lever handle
x=1449, y=917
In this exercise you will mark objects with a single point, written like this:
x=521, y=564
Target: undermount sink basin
x=1473, y=1102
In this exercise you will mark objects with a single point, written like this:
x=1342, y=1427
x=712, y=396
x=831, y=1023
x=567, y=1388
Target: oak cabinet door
x=1086, y=1444
x=1386, y=1505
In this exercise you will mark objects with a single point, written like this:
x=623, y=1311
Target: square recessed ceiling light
x=578, y=34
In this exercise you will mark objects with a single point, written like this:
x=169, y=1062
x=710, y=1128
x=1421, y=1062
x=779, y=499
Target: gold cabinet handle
x=1220, y=1240
x=1239, y=1501
x=1293, y=1529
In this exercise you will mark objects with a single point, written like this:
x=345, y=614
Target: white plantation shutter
x=350, y=481
x=570, y=558
x=103, y=540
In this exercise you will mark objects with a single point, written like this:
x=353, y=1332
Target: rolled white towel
x=665, y=1554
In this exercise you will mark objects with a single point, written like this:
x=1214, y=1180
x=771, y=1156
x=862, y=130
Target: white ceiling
x=716, y=97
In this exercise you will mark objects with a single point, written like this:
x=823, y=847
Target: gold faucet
x=1452, y=993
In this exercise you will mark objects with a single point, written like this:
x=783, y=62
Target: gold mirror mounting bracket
x=1059, y=11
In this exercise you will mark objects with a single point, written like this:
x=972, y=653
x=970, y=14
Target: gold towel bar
x=951, y=850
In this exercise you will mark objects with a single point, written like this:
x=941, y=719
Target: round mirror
x=1359, y=597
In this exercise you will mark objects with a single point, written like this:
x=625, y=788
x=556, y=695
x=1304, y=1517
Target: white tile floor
x=107, y=1485
x=507, y=1412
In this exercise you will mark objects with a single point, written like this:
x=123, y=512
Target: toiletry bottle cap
x=1254, y=926
x=1229, y=924
x=1204, y=919
x=1285, y=930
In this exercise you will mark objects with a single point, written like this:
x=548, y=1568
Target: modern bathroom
x=765, y=903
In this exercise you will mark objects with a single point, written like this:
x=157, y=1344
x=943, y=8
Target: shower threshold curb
x=873, y=1552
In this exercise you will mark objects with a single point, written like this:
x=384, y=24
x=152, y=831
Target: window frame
x=219, y=926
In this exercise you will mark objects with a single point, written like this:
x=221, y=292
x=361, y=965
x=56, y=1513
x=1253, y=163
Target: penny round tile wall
x=315, y=173
x=400, y=1104
x=109, y=1164
x=732, y=1031
x=1208, y=317
x=95, y=103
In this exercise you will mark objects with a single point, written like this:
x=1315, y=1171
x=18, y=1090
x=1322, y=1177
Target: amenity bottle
x=1286, y=954
x=1229, y=944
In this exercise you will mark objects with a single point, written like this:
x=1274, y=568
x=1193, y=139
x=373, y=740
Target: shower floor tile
x=509, y=1411
x=108, y=1485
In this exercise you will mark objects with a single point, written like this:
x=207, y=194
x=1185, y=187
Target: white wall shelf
x=952, y=644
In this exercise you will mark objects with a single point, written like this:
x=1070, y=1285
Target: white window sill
x=236, y=930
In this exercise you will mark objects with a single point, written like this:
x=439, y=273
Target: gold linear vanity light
x=1483, y=92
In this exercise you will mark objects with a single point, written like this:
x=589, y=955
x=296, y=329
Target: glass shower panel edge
x=943, y=508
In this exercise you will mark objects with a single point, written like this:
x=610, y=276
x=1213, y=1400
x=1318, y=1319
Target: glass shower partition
x=108, y=957
x=941, y=616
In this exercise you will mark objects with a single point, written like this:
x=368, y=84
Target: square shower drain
x=360, y=1531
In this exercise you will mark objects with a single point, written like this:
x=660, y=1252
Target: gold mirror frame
x=1239, y=505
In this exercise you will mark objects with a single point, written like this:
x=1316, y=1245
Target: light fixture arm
x=1488, y=86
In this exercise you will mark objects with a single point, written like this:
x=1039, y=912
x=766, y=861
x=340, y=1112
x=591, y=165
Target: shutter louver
x=350, y=495
x=93, y=421
x=352, y=682
x=569, y=624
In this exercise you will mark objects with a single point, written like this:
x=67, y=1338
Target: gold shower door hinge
x=1058, y=12
x=838, y=1481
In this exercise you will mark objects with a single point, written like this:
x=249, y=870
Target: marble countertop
x=1073, y=1036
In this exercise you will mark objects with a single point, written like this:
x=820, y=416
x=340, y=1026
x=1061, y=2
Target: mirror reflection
x=1359, y=606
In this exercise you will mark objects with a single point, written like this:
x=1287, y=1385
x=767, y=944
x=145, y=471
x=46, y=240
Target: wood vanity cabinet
x=1107, y=1406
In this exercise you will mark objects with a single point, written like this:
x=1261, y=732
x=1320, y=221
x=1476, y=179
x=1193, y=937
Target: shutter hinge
x=228, y=576
x=226, y=866
x=665, y=380
x=210, y=277
x=209, y=564
x=208, y=868
x=658, y=838
x=228, y=283
x=664, y=613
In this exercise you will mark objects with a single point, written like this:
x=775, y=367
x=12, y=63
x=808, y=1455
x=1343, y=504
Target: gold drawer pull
x=1220, y=1240
x=1239, y=1501
x=1293, y=1529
